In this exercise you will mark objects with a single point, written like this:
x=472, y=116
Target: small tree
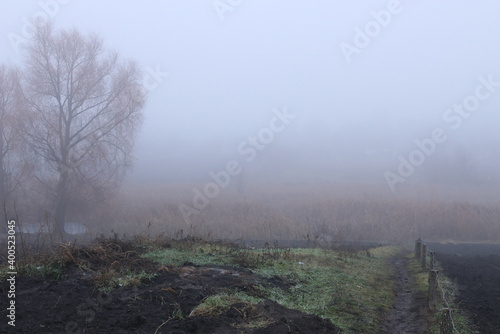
x=83, y=109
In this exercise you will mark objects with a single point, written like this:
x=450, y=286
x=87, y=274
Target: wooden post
x=424, y=256
x=432, y=264
x=433, y=286
x=418, y=245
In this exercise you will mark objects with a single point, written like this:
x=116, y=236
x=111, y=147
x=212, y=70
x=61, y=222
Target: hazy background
x=353, y=119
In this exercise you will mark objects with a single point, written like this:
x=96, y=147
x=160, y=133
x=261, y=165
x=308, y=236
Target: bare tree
x=10, y=140
x=83, y=109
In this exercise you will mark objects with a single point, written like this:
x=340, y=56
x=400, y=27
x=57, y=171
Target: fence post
x=424, y=255
x=433, y=285
x=418, y=245
x=431, y=264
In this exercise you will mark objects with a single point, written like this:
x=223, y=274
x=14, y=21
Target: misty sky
x=355, y=112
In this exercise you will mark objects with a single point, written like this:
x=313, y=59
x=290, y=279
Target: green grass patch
x=50, y=269
x=198, y=252
x=178, y=257
x=133, y=279
x=354, y=289
x=420, y=277
x=215, y=305
x=107, y=280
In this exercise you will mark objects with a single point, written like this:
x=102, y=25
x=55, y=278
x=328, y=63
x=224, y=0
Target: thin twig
x=156, y=331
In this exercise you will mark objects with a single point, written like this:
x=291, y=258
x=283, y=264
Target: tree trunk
x=3, y=198
x=2, y=185
x=61, y=204
x=3, y=190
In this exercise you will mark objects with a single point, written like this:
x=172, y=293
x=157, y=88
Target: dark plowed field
x=476, y=269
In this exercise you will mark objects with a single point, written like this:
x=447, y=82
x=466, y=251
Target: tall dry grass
x=333, y=212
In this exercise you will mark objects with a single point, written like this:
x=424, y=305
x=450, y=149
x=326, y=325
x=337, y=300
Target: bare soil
x=73, y=304
x=476, y=271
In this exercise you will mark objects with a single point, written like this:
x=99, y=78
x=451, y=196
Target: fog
x=155, y=152
x=386, y=92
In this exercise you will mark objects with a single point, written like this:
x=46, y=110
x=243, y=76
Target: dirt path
x=408, y=313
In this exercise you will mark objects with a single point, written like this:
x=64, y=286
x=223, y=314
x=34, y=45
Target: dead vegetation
x=319, y=214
